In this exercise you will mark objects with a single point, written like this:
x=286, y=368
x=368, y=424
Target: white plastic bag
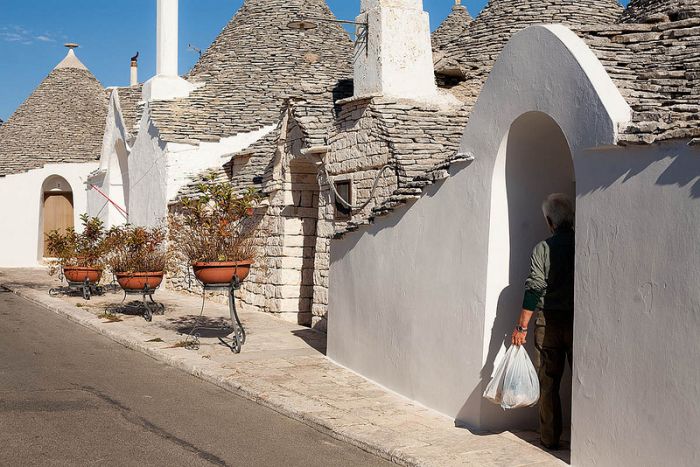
x=515, y=382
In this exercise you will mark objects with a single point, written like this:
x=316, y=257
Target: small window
x=344, y=190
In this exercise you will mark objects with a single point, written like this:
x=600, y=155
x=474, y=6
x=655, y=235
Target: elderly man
x=549, y=293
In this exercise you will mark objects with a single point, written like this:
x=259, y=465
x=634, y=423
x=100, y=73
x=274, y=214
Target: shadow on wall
x=681, y=161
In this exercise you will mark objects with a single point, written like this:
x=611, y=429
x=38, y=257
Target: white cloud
x=19, y=34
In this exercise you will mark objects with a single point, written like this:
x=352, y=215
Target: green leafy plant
x=215, y=224
x=136, y=249
x=80, y=249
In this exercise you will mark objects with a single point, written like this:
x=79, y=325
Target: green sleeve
x=536, y=283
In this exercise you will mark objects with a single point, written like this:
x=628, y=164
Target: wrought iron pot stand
x=150, y=306
x=233, y=340
x=86, y=288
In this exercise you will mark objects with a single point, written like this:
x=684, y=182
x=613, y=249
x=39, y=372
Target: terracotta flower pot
x=139, y=280
x=78, y=274
x=221, y=272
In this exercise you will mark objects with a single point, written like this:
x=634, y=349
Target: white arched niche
x=549, y=83
x=547, y=101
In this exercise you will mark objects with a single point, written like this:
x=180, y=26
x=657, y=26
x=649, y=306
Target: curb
x=208, y=372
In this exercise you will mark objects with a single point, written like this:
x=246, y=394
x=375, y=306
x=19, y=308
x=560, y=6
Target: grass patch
x=110, y=317
x=179, y=345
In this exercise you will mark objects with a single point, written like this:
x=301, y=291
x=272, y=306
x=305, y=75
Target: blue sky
x=32, y=34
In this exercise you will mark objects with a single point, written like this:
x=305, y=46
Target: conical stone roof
x=454, y=26
x=256, y=62
x=643, y=11
x=63, y=120
x=487, y=35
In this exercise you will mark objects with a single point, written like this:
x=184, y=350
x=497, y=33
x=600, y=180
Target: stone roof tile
x=454, y=26
x=254, y=64
x=63, y=120
x=478, y=49
x=131, y=104
x=657, y=69
x=657, y=11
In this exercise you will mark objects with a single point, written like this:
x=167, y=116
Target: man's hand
x=519, y=338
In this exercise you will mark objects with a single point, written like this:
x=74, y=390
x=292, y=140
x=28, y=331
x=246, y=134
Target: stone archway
x=56, y=208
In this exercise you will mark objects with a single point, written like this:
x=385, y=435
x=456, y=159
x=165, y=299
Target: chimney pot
x=134, y=81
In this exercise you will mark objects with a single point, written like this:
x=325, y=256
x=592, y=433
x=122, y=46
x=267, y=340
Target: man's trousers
x=554, y=333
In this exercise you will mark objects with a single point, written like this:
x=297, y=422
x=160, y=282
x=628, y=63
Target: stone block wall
x=373, y=133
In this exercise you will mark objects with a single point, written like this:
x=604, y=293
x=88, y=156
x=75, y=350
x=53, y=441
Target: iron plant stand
x=236, y=338
x=150, y=306
x=86, y=288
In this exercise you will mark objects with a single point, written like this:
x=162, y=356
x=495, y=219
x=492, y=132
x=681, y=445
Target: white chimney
x=395, y=57
x=134, y=81
x=167, y=38
x=167, y=84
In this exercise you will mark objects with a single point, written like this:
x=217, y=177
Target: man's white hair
x=559, y=209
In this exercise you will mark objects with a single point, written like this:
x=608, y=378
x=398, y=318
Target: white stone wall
x=148, y=176
x=22, y=200
x=636, y=394
x=112, y=177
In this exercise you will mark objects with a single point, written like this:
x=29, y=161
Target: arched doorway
x=57, y=206
x=534, y=160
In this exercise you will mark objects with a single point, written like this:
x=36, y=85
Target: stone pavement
x=283, y=367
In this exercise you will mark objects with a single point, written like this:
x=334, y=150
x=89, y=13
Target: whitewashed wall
x=412, y=296
x=112, y=176
x=158, y=170
x=637, y=379
x=148, y=176
x=435, y=336
x=22, y=199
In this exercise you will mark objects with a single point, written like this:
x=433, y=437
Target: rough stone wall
x=372, y=134
x=656, y=11
x=358, y=151
x=325, y=231
x=62, y=121
x=284, y=281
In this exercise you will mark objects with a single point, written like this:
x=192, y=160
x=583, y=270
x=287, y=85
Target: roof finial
x=72, y=45
x=458, y=2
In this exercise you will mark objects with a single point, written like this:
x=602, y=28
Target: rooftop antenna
x=195, y=49
x=305, y=23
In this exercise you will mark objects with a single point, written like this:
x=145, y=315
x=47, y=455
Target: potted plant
x=214, y=231
x=78, y=255
x=137, y=256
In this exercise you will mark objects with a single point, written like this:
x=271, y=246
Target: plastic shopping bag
x=515, y=382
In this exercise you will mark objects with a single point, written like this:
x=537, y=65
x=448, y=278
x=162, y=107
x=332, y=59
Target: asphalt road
x=71, y=397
